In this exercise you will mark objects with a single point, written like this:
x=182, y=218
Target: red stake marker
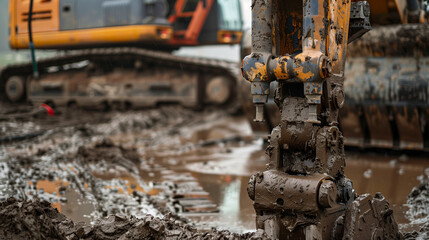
x=49, y=110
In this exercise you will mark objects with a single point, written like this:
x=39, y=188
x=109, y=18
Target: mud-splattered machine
x=304, y=193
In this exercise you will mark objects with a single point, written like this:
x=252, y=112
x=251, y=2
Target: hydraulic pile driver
x=304, y=194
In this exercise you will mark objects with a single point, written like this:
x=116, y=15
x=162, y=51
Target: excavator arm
x=303, y=193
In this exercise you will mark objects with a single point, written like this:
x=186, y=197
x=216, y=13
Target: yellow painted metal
x=45, y=15
x=12, y=23
x=47, y=35
x=260, y=70
x=299, y=69
x=96, y=36
x=280, y=70
x=339, y=15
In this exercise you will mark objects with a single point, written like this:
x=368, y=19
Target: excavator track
x=122, y=78
x=386, y=89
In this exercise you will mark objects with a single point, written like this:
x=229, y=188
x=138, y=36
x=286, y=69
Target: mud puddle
x=395, y=175
x=218, y=156
x=223, y=170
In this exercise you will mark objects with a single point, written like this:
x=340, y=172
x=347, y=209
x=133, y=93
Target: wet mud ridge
x=418, y=212
x=35, y=219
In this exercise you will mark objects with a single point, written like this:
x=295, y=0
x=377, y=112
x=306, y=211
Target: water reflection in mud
x=394, y=176
x=391, y=174
x=236, y=210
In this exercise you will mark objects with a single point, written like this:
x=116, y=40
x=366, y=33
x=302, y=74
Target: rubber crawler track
x=209, y=66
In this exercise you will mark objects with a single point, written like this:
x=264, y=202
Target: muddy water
x=394, y=176
x=224, y=168
x=222, y=162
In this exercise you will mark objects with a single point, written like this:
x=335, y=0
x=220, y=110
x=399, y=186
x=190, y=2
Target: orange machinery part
x=199, y=16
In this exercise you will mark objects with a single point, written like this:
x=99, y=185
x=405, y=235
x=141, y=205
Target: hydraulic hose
x=30, y=37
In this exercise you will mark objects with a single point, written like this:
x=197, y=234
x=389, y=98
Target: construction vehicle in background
x=386, y=81
x=118, y=52
x=303, y=193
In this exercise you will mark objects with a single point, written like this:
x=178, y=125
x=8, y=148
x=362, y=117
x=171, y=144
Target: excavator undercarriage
x=122, y=78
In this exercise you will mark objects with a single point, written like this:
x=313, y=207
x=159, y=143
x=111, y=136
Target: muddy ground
x=35, y=219
x=95, y=175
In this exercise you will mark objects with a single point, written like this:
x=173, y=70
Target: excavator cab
x=68, y=24
x=154, y=24
x=203, y=22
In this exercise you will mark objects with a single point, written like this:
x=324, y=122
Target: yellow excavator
x=117, y=53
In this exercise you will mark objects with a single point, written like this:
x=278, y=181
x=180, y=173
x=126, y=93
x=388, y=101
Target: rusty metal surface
x=387, y=78
x=350, y=121
x=378, y=125
x=392, y=41
x=408, y=122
